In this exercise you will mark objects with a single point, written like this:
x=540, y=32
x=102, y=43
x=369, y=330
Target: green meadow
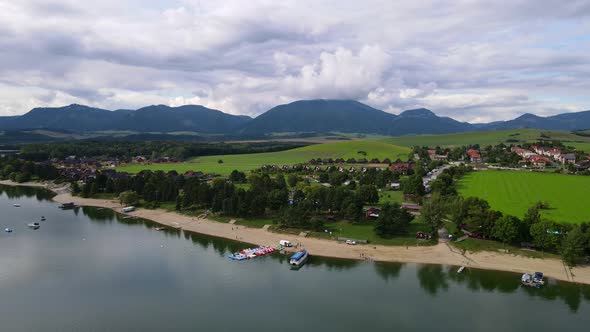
x=513, y=192
x=491, y=138
x=245, y=162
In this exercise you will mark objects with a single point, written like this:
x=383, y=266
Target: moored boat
x=67, y=206
x=535, y=280
x=34, y=225
x=8, y=230
x=299, y=258
x=16, y=205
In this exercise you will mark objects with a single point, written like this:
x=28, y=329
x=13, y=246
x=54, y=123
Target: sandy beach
x=442, y=253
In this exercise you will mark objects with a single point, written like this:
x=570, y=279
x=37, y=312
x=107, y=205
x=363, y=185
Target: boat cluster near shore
x=254, y=252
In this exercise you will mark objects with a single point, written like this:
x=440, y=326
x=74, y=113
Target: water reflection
x=388, y=271
x=436, y=278
x=29, y=192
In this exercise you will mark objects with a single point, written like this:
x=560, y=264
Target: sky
x=475, y=61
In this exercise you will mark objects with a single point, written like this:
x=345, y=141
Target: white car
x=350, y=242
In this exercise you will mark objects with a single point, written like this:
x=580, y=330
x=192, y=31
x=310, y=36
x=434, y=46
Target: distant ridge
x=304, y=116
x=158, y=118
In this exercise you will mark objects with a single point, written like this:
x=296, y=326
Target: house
x=474, y=156
x=583, y=165
x=434, y=156
x=373, y=213
x=412, y=207
x=401, y=167
x=540, y=161
x=567, y=158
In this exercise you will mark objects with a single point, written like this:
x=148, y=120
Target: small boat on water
x=160, y=228
x=461, y=269
x=16, y=205
x=67, y=206
x=34, y=225
x=535, y=281
x=8, y=230
x=298, y=259
x=43, y=218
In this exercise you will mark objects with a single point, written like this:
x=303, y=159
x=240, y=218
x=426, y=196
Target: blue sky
x=471, y=60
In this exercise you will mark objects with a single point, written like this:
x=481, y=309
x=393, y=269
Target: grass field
x=491, y=138
x=367, y=232
x=246, y=162
x=513, y=192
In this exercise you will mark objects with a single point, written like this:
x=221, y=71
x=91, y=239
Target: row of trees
x=154, y=149
x=295, y=205
x=22, y=171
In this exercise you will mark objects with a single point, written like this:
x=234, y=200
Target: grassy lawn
x=491, y=138
x=390, y=196
x=475, y=245
x=246, y=162
x=513, y=192
x=366, y=232
x=254, y=223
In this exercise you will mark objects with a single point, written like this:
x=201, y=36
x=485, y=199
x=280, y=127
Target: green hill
x=246, y=162
x=483, y=138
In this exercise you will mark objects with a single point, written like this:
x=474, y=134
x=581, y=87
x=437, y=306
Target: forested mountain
x=158, y=118
x=321, y=116
x=304, y=116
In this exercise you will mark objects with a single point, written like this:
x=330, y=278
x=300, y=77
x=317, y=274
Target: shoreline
x=441, y=253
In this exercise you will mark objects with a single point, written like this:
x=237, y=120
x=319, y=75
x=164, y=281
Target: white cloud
x=472, y=60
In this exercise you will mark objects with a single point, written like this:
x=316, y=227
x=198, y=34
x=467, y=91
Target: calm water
x=88, y=270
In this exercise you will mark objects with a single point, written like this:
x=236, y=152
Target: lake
x=90, y=270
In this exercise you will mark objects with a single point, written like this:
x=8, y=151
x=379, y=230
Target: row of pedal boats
x=296, y=260
x=254, y=252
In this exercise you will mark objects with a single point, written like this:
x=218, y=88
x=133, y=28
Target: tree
x=544, y=236
x=237, y=176
x=506, y=229
x=413, y=185
x=368, y=194
x=392, y=220
x=278, y=198
x=292, y=180
x=129, y=198
x=574, y=245
x=433, y=212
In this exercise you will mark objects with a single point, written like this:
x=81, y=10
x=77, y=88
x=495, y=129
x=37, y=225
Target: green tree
x=543, y=235
x=129, y=198
x=574, y=245
x=506, y=229
x=292, y=180
x=368, y=194
x=433, y=212
x=392, y=220
x=413, y=185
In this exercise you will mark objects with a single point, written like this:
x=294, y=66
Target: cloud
x=472, y=60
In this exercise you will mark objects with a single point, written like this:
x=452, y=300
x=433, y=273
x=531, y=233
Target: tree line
x=155, y=149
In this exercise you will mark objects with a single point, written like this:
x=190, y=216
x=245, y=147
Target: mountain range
x=303, y=116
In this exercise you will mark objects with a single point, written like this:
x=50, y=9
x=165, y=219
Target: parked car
x=351, y=242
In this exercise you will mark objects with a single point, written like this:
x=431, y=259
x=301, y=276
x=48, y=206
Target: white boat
x=299, y=258
x=16, y=205
x=8, y=230
x=34, y=225
x=461, y=269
